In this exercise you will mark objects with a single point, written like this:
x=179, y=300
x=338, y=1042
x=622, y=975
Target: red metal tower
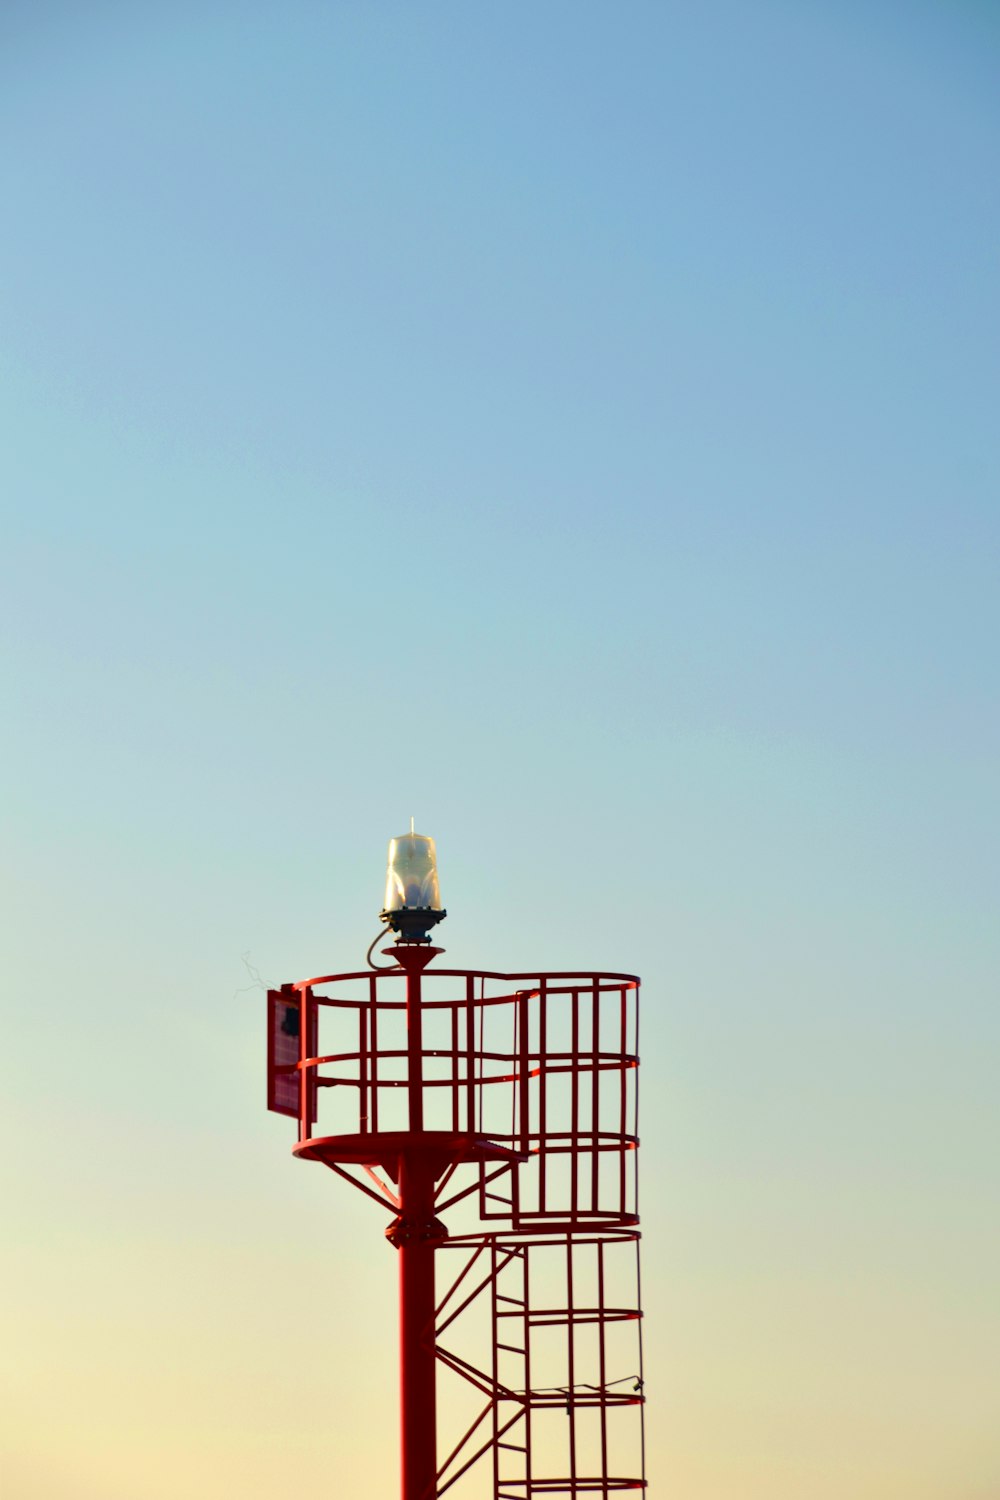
x=509, y=1101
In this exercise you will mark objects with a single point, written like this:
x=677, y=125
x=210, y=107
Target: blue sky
x=573, y=426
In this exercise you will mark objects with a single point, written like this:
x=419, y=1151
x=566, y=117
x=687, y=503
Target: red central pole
x=417, y=1358
x=415, y=1234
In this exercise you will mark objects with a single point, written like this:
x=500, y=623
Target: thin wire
x=379, y=968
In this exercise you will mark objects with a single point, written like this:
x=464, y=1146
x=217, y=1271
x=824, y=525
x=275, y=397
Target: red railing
x=508, y=1102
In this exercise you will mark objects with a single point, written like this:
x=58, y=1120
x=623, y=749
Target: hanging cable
x=368, y=956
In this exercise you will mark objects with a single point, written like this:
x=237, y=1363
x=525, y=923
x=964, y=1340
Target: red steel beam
x=416, y=1233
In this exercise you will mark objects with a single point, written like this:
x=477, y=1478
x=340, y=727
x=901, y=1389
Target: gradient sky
x=574, y=425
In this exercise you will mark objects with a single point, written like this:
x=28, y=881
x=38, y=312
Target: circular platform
x=383, y=1148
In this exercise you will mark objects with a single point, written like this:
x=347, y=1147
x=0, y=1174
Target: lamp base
x=412, y=923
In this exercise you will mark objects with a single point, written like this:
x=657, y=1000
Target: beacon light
x=412, y=894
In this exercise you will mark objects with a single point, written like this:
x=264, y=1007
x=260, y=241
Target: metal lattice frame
x=509, y=1100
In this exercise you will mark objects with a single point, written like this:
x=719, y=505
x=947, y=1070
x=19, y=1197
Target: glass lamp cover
x=411, y=879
